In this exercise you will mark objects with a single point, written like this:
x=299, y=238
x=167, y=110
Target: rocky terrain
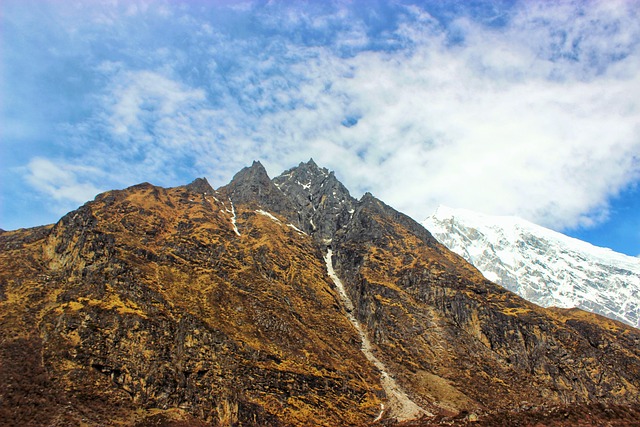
x=284, y=302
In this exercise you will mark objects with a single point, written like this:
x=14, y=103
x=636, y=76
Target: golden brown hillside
x=147, y=302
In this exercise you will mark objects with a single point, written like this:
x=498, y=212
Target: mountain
x=323, y=204
x=284, y=302
x=541, y=265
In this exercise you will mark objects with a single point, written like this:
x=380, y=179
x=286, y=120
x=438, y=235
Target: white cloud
x=139, y=98
x=61, y=182
x=500, y=123
x=537, y=118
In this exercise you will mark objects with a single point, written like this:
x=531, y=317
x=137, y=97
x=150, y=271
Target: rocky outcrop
x=323, y=204
x=200, y=186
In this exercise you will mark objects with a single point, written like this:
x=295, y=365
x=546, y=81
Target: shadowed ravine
x=400, y=406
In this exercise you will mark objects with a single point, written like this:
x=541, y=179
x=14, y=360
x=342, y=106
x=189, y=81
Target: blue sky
x=513, y=108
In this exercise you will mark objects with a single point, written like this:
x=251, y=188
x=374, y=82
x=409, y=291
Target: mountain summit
x=284, y=302
x=323, y=204
x=252, y=185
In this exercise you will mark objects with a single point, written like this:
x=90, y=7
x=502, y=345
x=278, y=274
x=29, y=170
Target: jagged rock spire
x=201, y=186
x=252, y=185
x=322, y=202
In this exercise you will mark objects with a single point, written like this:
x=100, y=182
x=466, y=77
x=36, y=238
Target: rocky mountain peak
x=251, y=176
x=313, y=167
x=200, y=186
x=304, y=175
x=323, y=204
x=253, y=186
x=368, y=198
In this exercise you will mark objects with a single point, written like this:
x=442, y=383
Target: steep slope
x=283, y=302
x=147, y=299
x=541, y=265
x=459, y=342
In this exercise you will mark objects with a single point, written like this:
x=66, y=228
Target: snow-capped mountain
x=541, y=265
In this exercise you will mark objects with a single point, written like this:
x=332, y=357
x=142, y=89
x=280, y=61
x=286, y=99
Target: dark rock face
x=200, y=186
x=252, y=186
x=323, y=204
x=364, y=227
x=145, y=307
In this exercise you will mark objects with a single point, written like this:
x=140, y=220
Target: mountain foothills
x=284, y=302
x=541, y=265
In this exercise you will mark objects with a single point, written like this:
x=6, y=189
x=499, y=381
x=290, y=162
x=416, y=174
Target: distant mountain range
x=541, y=265
x=285, y=302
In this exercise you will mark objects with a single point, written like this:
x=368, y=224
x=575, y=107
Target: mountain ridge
x=196, y=306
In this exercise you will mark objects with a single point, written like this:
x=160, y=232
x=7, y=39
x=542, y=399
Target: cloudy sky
x=529, y=108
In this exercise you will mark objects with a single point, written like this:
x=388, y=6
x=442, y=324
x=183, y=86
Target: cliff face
x=323, y=204
x=195, y=306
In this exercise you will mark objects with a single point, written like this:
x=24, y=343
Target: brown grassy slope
x=461, y=343
x=146, y=300
x=145, y=308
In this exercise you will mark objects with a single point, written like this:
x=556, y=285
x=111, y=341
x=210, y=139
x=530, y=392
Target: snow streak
x=267, y=214
x=400, y=406
x=233, y=217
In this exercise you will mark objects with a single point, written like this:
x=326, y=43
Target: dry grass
x=227, y=413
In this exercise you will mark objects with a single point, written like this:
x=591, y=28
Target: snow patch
x=233, y=218
x=273, y=217
x=296, y=228
x=304, y=186
x=267, y=214
x=379, y=417
x=490, y=275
